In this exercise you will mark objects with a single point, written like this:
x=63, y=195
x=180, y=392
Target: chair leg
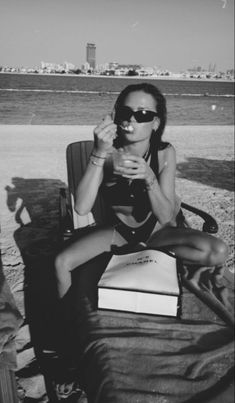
x=8, y=388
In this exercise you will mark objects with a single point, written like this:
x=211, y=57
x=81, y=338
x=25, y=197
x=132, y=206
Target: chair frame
x=77, y=156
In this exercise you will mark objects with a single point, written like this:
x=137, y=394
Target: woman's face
x=139, y=100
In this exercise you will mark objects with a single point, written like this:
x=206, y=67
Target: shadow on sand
x=36, y=206
x=216, y=173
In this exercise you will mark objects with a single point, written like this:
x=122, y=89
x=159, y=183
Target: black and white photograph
x=117, y=201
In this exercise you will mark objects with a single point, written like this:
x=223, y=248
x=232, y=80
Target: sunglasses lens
x=122, y=114
x=144, y=116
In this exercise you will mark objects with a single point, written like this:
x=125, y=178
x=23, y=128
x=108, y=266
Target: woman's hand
x=134, y=167
x=104, y=134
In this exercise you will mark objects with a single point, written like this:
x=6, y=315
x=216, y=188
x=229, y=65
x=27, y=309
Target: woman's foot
x=67, y=389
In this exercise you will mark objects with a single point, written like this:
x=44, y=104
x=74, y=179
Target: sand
x=36, y=155
x=32, y=166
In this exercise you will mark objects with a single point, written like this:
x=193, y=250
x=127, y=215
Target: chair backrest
x=77, y=156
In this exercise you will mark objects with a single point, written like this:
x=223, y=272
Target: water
x=52, y=99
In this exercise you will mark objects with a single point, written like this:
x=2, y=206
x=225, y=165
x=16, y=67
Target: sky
x=167, y=34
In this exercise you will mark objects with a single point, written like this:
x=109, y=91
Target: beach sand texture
x=32, y=166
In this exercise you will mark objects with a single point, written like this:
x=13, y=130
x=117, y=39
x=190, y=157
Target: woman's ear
x=156, y=123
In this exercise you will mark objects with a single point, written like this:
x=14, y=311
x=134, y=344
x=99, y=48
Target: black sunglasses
x=124, y=113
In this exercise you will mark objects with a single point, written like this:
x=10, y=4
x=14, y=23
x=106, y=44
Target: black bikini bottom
x=134, y=235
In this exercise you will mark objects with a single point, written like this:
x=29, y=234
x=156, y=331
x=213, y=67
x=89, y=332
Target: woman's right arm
x=89, y=185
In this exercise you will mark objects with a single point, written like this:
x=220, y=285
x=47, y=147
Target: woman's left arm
x=161, y=191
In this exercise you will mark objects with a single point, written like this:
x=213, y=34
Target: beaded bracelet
x=149, y=185
x=97, y=156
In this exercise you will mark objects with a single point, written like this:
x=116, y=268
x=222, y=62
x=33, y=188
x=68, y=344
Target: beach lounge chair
x=77, y=156
x=131, y=357
x=126, y=357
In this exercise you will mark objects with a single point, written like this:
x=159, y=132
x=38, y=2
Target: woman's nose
x=132, y=119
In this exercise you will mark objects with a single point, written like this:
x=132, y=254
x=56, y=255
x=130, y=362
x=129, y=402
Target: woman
x=135, y=170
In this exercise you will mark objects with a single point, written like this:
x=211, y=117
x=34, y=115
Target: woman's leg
x=77, y=253
x=192, y=246
x=82, y=250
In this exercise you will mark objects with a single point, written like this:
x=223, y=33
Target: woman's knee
x=218, y=253
x=62, y=263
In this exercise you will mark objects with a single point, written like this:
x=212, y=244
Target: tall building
x=90, y=55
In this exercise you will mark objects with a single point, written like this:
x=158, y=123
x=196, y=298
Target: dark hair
x=156, y=94
x=156, y=137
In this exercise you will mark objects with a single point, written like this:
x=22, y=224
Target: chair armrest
x=66, y=219
x=210, y=225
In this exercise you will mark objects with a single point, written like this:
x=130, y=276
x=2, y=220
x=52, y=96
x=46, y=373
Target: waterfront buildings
x=47, y=67
x=91, y=55
x=119, y=69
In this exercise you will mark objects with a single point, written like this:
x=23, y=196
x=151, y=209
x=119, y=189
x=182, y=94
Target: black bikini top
x=118, y=191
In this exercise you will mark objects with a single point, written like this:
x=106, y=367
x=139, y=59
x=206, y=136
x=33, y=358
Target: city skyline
x=169, y=34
